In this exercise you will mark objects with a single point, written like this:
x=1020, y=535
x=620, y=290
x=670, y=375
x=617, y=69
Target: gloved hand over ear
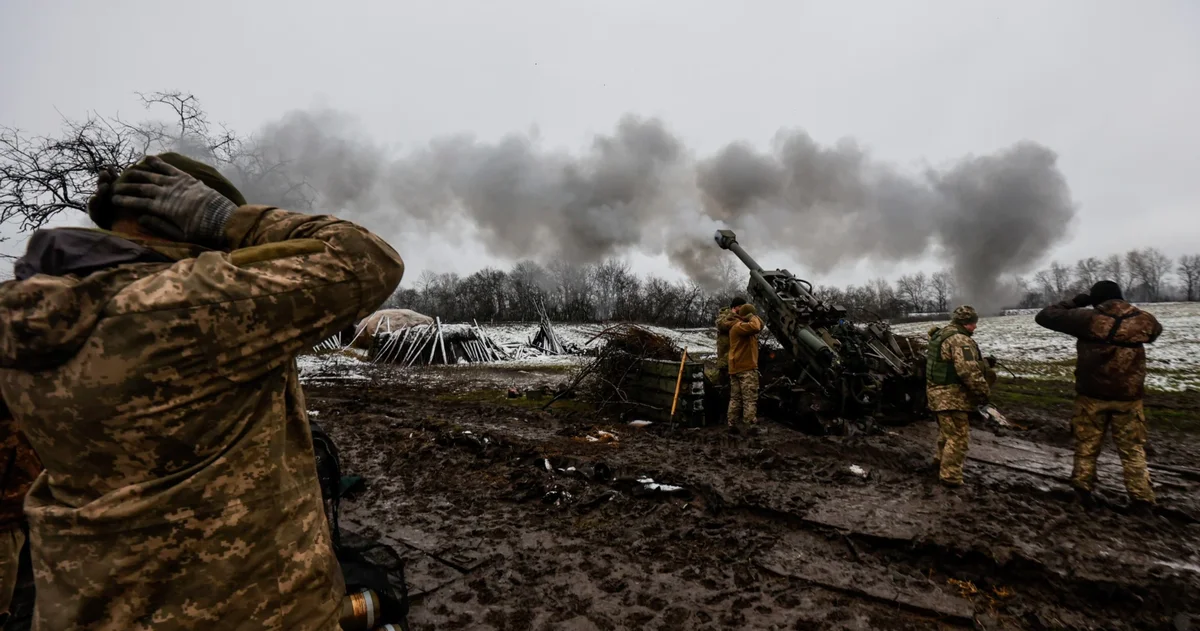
x=173, y=204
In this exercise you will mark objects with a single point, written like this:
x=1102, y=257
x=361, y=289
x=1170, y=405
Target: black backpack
x=365, y=564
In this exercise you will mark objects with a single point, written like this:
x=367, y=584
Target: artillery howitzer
x=836, y=369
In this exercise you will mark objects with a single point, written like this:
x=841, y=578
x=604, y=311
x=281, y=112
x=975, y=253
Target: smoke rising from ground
x=639, y=189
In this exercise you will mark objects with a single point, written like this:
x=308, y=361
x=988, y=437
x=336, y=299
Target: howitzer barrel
x=727, y=240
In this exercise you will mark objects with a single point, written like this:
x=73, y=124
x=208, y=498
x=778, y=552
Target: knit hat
x=1104, y=291
x=103, y=214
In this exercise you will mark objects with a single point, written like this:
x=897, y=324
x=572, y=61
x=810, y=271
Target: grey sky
x=1111, y=86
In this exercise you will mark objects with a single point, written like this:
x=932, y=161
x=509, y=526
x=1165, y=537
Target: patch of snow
x=858, y=471
x=1173, y=361
x=651, y=485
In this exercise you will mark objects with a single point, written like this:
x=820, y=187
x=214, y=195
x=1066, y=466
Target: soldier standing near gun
x=1110, y=377
x=957, y=381
x=725, y=321
x=152, y=367
x=743, y=365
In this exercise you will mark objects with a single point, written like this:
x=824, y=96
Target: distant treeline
x=609, y=291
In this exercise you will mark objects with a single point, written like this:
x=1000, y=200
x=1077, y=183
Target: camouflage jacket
x=972, y=389
x=1111, y=359
x=160, y=391
x=724, y=323
x=21, y=468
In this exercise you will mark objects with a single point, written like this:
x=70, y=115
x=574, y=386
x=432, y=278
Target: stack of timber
x=436, y=344
x=546, y=339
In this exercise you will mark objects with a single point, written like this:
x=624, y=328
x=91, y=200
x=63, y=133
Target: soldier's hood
x=63, y=282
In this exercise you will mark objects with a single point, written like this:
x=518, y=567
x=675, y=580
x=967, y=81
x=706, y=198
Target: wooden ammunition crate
x=653, y=384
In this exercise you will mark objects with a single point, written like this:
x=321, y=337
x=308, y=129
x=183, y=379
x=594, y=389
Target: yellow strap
x=274, y=251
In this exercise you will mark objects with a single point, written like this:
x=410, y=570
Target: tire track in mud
x=796, y=493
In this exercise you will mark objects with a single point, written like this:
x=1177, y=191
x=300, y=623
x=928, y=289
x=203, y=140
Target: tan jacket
x=743, y=345
x=180, y=489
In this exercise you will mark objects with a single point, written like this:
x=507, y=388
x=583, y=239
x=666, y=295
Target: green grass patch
x=1164, y=410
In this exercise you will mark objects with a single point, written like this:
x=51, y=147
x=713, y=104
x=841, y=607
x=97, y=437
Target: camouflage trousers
x=1093, y=418
x=743, y=397
x=11, y=542
x=954, y=433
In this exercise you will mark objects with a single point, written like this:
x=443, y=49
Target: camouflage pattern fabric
x=180, y=489
x=954, y=433
x=11, y=542
x=21, y=469
x=964, y=314
x=1093, y=418
x=973, y=389
x=1111, y=356
x=743, y=397
x=724, y=323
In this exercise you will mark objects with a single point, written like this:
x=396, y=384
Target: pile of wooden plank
x=436, y=344
x=546, y=339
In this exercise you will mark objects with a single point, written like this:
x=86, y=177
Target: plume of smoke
x=1000, y=214
x=637, y=188
x=527, y=202
x=989, y=216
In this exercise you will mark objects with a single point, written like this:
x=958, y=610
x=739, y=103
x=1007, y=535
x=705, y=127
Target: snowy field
x=1031, y=351
x=1020, y=344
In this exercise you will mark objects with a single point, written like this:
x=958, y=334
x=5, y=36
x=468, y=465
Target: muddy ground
x=513, y=518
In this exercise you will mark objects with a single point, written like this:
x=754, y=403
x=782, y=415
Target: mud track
x=511, y=518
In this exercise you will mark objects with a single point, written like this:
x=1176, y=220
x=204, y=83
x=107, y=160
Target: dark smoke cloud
x=989, y=216
x=638, y=189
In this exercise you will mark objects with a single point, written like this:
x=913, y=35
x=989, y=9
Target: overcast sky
x=1112, y=86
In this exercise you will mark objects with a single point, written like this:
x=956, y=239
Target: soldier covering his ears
x=1110, y=381
x=152, y=366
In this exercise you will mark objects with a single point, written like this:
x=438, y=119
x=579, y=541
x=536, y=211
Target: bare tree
x=915, y=289
x=1189, y=273
x=1087, y=272
x=1114, y=269
x=42, y=176
x=942, y=285
x=1149, y=267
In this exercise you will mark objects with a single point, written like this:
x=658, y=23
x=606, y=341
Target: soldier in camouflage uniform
x=957, y=382
x=725, y=321
x=153, y=369
x=743, y=366
x=1110, y=376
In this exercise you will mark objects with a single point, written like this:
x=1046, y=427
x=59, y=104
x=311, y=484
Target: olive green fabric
x=941, y=371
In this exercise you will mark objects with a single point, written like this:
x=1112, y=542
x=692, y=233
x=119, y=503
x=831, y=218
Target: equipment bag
x=365, y=564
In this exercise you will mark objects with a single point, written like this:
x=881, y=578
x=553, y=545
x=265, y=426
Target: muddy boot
x=1141, y=508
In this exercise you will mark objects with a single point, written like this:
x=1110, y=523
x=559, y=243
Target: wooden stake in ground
x=678, y=383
